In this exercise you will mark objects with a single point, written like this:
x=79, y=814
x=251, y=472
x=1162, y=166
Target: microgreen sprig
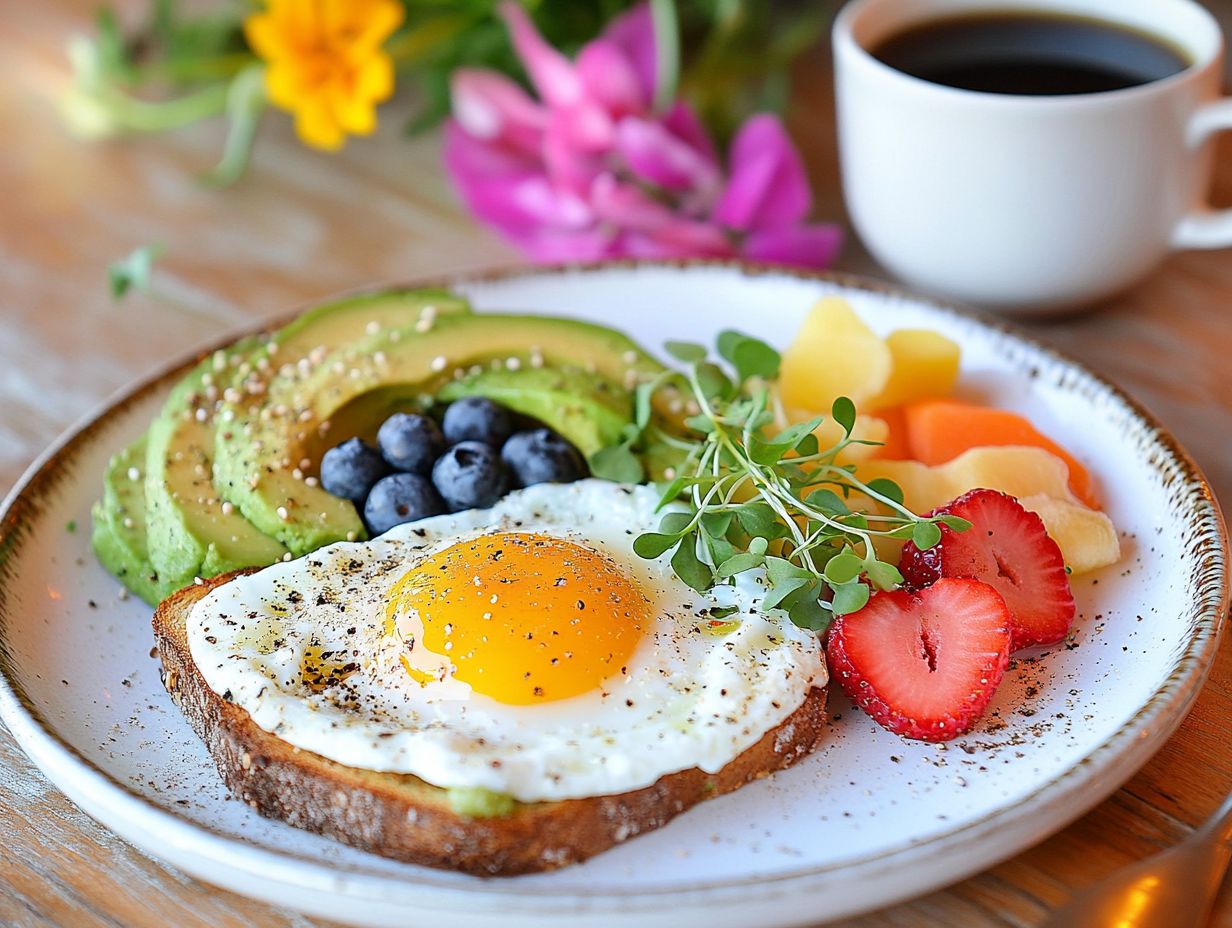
x=750, y=499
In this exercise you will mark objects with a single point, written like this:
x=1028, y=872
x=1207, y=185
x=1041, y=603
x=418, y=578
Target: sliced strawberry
x=1008, y=548
x=924, y=665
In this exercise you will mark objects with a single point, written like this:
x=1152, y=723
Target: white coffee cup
x=1028, y=204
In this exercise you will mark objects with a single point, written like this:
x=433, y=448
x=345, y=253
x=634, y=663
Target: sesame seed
x=134, y=474
x=428, y=312
x=438, y=363
x=128, y=522
x=297, y=474
x=207, y=379
x=282, y=513
x=272, y=347
x=379, y=357
x=669, y=473
x=513, y=364
x=305, y=463
x=423, y=325
x=311, y=481
x=350, y=536
x=372, y=327
x=287, y=556
x=227, y=507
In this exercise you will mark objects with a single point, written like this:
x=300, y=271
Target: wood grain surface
x=303, y=225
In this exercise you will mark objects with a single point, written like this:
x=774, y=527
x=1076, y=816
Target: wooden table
x=303, y=225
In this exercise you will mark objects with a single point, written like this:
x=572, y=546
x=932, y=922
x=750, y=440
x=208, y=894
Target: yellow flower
x=325, y=63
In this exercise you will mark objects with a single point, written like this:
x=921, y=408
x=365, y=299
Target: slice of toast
x=402, y=817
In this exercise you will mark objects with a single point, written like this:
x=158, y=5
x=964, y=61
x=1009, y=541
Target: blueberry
x=470, y=476
x=400, y=498
x=542, y=456
x=350, y=469
x=475, y=418
x=410, y=442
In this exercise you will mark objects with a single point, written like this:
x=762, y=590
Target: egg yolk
x=522, y=618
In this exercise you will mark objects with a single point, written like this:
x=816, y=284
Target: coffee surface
x=1029, y=54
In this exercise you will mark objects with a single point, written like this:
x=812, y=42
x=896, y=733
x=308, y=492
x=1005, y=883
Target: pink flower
x=590, y=170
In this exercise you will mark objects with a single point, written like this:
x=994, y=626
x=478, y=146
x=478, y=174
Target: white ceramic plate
x=868, y=820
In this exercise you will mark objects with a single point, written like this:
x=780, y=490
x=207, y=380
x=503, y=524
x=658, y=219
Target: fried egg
x=524, y=649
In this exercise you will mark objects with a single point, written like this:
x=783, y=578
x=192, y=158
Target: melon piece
x=1087, y=538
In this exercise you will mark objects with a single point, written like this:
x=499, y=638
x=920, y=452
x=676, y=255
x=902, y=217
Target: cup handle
x=1205, y=227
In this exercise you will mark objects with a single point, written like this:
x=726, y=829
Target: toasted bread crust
x=402, y=817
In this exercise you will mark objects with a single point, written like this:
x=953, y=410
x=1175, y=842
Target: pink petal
x=492, y=107
x=551, y=72
x=813, y=246
x=552, y=245
x=610, y=79
x=515, y=197
x=664, y=159
x=570, y=166
x=633, y=33
x=651, y=229
x=625, y=206
x=767, y=185
x=683, y=123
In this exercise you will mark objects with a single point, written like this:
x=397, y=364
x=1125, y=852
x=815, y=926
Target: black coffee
x=1025, y=53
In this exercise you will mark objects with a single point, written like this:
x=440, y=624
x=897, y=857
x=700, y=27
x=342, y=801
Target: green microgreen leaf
x=844, y=568
x=780, y=591
x=827, y=501
x=132, y=272
x=717, y=523
x=739, y=563
x=617, y=463
x=883, y=576
x=957, y=523
x=887, y=488
x=849, y=597
x=651, y=545
x=925, y=535
x=713, y=381
x=843, y=411
x=688, y=566
x=674, y=523
x=805, y=609
x=759, y=520
x=688, y=352
x=751, y=357
x=643, y=398
x=700, y=423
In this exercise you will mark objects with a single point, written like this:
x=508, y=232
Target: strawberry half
x=1008, y=548
x=924, y=665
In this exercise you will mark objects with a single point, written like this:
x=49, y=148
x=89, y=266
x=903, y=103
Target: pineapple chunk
x=834, y=354
x=1087, y=538
x=925, y=364
x=1040, y=481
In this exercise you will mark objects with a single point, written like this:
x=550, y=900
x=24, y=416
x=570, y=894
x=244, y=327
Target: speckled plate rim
x=1077, y=789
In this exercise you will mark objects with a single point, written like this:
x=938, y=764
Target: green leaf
x=616, y=463
x=759, y=520
x=651, y=545
x=849, y=597
x=642, y=400
x=780, y=571
x=758, y=546
x=808, y=445
x=957, y=523
x=688, y=352
x=245, y=104
x=887, y=488
x=670, y=491
x=739, y=563
x=827, y=501
x=765, y=452
x=794, y=434
x=713, y=381
x=689, y=568
x=805, y=609
x=720, y=548
x=883, y=576
x=780, y=591
x=843, y=411
x=717, y=523
x=700, y=423
x=844, y=568
x=673, y=523
x=925, y=535
x=750, y=356
x=855, y=520
x=132, y=272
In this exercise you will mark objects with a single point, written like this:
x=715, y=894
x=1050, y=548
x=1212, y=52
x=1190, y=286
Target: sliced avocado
x=192, y=533
x=477, y=802
x=588, y=409
x=296, y=405
x=119, y=532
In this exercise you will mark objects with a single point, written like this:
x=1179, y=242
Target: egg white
x=689, y=699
